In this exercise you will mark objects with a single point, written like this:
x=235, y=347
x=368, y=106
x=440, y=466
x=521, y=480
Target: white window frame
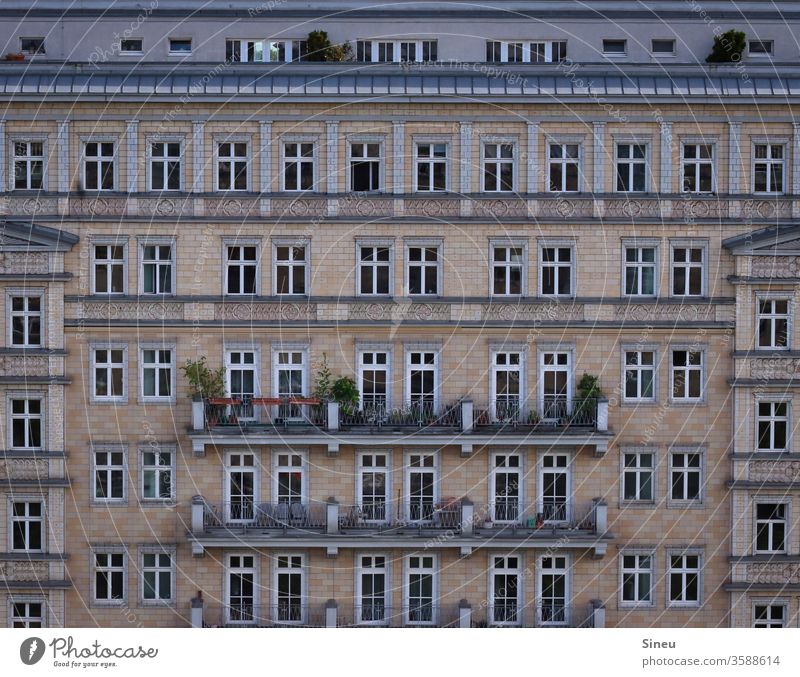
x=637, y=571
x=696, y=163
x=569, y=472
x=767, y=53
x=387, y=368
x=165, y=160
x=376, y=45
x=519, y=470
x=108, y=469
x=432, y=161
x=255, y=570
x=433, y=570
x=770, y=622
x=26, y=520
x=157, y=469
x=100, y=140
x=408, y=367
x=773, y=317
x=386, y=469
x=254, y=366
x=28, y=160
x=243, y=50
x=639, y=245
x=108, y=399
x=299, y=160
x=373, y=570
x=563, y=161
x=26, y=293
x=279, y=467
x=434, y=469
x=228, y=469
x=424, y=244
x=109, y=242
x=505, y=569
x=302, y=569
x=683, y=570
x=219, y=160
x=686, y=470
x=27, y=396
x=27, y=620
x=149, y=241
x=507, y=243
x=566, y=570
x=179, y=52
x=374, y=264
x=688, y=245
x=639, y=349
x=292, y=244
x=556, y=245
x=687, y=368
x=772, y=419
x=639, y=471
x=157, y=551
x=769, y=161
x=542, y=350
x=631, y=162
x=158, y=366
x=661, y=54
x=131, y=52
x=226, y=263
x=95, y=569
x=513, y=161
x=304, y=366
x=614, y=53
x=786, y=521
x=381, y=160
x=495, y=369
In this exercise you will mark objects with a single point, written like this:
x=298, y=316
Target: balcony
x=309, y=421
x=249, y=615
x=555, y=614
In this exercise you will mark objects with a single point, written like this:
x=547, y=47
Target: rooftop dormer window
x=396, y=51
x=615, y=47
x=31, y=45
x=130, y=46
x=180, y=46
x=662, y=47
x=540, y=51
x=760, y=47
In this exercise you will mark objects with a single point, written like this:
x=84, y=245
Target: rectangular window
x=422, y=376
x=686, y=481
x=108, y=371
x=373, y=486
x=131, y=46
x=552, y=605
x=506, y=385
x=548, y=52
x=505, y=488
x=109, y=576
x=554, y=480
x=421, y=479
x=615, y=47
x=494, y=51
x=631, y=167
x=540, y=51
x=686, y=375
x=697, y=162
x=773, y=426
x=768, y=167
x=688, y=271
x=279, y=51
x=98, y=165
x=157, y=269
x=773, y=323
x=109, y=268
x=374, y=379
x=158, y=374
x=298, y=166
x=241, y=483
x=365, y=166
x=662, y=46
x=290, y=479
x=498, y=167
x=768, y=616
x=241, y=274
x=505, y=590
x=242, y=383
x=639, y=379
x=240, y=589
x=556, y=271
x=563, y=167
x=31, y=46
x=165, y=165
x=28, y=165
x=158, y=583
x=431, y=161
x=381, y=51
x=372, y=590
x=244, y=51
x=760, y=47
x=291, y=268
x=423, y=270
x=232, y=160
x=507, y=270
x=640, y=271
x=299, y=50
x=157, y=474
x=26, y=321
x=556, y=378
x=27, y=614
x=420, y=590
x=27, y=526
x=289, y=589
x=109, y=475
x=26, y=423
x=638, y=476
x=637, y=579
x=771, y=526
x=291, y=379
x=683, y=580
x=374, y=270
x=180, y=46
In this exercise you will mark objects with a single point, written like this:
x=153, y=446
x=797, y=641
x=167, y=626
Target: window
x=498, y=167
x=507, y=270
x=639, y=378
x=683, y=580
x=241, y=486
x=768, y=616
x=26, y=423
x=555, y=383
x=109, y=268
x=638, y=476
x=365, y=166
x=240, y=589
x=31, y=45
x=688, y=270
x=540, y=51
x=158, y=374
x=697, y=162
x=631, y=167
x=157, y=473
x=640, y=271
x=637, y=579
x=552, y=604
x=662, y=46
x=375, y=51
x=232, y=163
x=505, y=488
x=241, y=263
x=374, y=377
x=768, y=167
x=373, y=486
x=554, y=480
x=241, y=376
x=420, y=590
x=28, y=165
x=157, y=577
x=109, y=577
x=27, y=614
x=556, y=271
x=760, y=47
x=244, y=51
x=548, y=52
x=686, y=471
x=431, y=164
x=771, y=524
x=773, y=426
x=299, y=50
x=290, y=268
x=423, y=270
x=108, y=371
x=291, y=378
x=26, y=320
x=372, y=590
x=27, y=526
x=686, y=374
x=180, y=46
x=290, y=478
x=289, y=589
x=131, y=46
x=421, y=481
x=98, y=165
x=773, y=323
x=422, y=378
x=165, y=165
x=298, y=166
x=615, y=47
x=505, y=590
x=506, y=385
x=563, y=167
x=374, y=269
x=157, y=268
x=109, y=474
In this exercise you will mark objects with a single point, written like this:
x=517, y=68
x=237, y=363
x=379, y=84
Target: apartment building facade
x=559, y=269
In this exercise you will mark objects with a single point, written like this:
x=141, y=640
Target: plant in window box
x=583, y=410
x=206, y=383
x=345, y=392
x=534, y=418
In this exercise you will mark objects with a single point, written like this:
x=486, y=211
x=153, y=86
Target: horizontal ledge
x=33, y=556
x=748, y=587
x=34, y=352
x=765, y=456
x=765, y=354
x=35, y=483
x=763, y=382
x=764, y=559
x=35, y=585
x=766, y=486
x=24, y=380
x=31, y=453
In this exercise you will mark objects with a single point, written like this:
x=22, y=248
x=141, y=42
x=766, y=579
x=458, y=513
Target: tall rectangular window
x=686, y=476
x=365, y=166
x=232, y=162
x=109, y=576
x=698, y=168
x=157, y=474
x=556, y=271
x=240, y=589
x=374, y=379
x=374, y=270
x=109, y=474
x=289, y=589
x=290, y=373
x=506, y=385
x=688, y=271
x=431, y=161
x=157, y=269
x=423, y=268
x=158, y=372
x=241, y=269
x=638, y=476
x=27, y=526
x=640, y=271
x=505, y=590
x=298, y=166
x=27, y=614
x=498, y=167
x=631, y=167
x=98, y=165
x=244, y=51
x=28, y=165
x=109, y=268
x=772, y=421
x=683, y=580
x=686, y=375
x=26, y=320
x=165, y=165
x=158, y=583
x=773, y=323
x=563, y=167
x=372, y=590
x=637, y=579
x=639, y=379
x=373, y=486
x=26, y=423
x=507, y=270
x=291, y=268
x=771, y=527
x=420, y=590
x=553, y=583
x=422, y=367
x=108, y=371
x=768, y=167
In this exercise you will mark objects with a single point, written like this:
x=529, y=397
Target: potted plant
x=345, y=392
x=589, y=391
x=487, y=522
x=205, y=383
x=15, y=56
x=320, y=48
x=728, y=47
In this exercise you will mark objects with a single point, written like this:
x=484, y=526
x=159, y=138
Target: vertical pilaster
x=332, y=146
x=132, y=158
x=63, y=156
x=796, y=159
x=599, y=160
x=198, y=155
x=466, y=157
x=734, y=158
x=265, y=155
x=665, y=186
x=532, y=166
x=399, y=151
x=4, y=183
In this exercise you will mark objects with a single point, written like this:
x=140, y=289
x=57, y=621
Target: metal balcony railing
x=552, y=412
x=249, y=514
x=547, y=514
x=553, y=614
x=416, y=415
x=247, y=614
x=248, y=411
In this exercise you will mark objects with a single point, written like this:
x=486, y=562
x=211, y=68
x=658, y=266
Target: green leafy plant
x=345, y=392
x=320, y=48
x=322, y=386
x=728, y=47
x=589, y=386
x=204, y=381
